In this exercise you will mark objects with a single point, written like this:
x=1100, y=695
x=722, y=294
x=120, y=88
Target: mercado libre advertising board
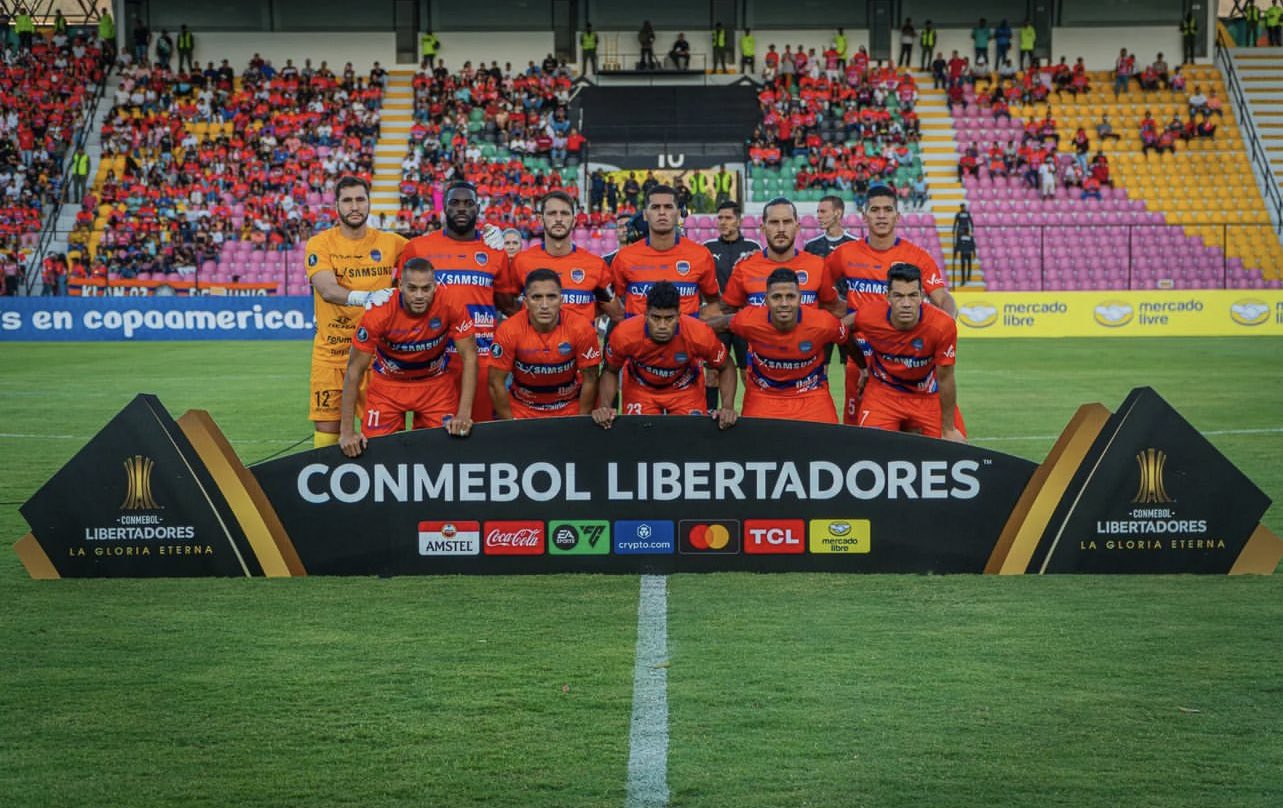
x=1189, y=313
x=1134, y=491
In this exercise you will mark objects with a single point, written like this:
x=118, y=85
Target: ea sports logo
x=565, y=538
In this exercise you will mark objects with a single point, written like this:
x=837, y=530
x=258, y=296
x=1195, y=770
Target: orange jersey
x=907, y=360
x=747, y=285
x=688, y=265
x=410, y=348
x=364, y=264
x=583, y=277
x=671, y=365
x=545, y=368
x=471, y=270
x=865, y=269
x=787, y=362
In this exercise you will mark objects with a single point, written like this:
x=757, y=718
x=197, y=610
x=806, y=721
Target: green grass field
x=787, y=690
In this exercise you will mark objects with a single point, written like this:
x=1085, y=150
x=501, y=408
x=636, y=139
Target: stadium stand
x=1189, y=217
x=43, y=97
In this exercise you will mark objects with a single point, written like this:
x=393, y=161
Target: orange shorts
x=816, y=405
x=482, y=406
x=884, y=407
x=428, y=400
x=326, y=384
x=638, y=400
x=520, y=410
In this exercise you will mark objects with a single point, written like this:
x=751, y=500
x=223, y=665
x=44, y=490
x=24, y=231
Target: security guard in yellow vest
x=25, y=27
x=928, y=40
x=428, y=45
x=107, y=37
x=748, y=52
x=186, y=46
x=722, y=185
x=588, y=50
x=59, y=22
x=79, y=174
x=1252, y=19
x=720, y=49
x=839, y=45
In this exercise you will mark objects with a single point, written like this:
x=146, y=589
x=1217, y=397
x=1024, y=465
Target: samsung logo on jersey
x=866, y=285
x=423, y=345
x=640, y=289
x=543, y=370
x=458, y=277
x=692, y=480
x=577, y=296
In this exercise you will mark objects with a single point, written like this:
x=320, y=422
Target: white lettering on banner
x=663, y=481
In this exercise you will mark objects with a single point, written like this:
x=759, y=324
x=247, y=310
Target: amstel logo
x=1249, y=311
x=138, y=484
x=978, y=314
x=1114, y=313
x=1151, y=488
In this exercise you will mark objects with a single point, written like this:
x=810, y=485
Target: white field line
x=648, y=733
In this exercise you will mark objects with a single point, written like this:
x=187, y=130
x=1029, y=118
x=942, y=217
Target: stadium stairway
x=940, y=164
x=394, y=137
x=1261, y=73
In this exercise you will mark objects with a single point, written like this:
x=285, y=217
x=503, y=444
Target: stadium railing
x=1260, y=160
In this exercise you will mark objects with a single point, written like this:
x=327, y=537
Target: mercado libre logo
x=1249, y=311
x=978, y=314
x=1113, y=313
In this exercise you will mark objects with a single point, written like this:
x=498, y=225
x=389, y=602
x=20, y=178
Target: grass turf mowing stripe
x=648, y=733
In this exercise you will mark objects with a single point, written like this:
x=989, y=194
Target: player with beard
x=469, y=268
x=552, y=355
x=863, y=264
x=405, y=341
x=747, y=284
x=585, y=278
x=350, y=267
x=728, y=249
x=666, y=354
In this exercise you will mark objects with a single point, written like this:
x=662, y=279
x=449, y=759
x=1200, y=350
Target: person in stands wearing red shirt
x=552, y=355
x=910, y=350
x=787, y=342
x=664, y=353
x=405, y=341
x=664, y=256
x=585, y=278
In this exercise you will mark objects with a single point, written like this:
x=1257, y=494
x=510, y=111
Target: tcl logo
x=762, y=536
x=514, y=538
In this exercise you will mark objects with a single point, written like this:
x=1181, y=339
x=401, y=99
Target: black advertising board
x=150, y=496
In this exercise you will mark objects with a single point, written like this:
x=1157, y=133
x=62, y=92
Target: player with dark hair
x=664, y=256
x=787, y=341
x=585, y=278
x=350, y=266
x=728, y=249
x=470, y=268
x=911, y=351
x=552, y=355
x=863, y=265
x=405, y=342
x=747, y=285
x=829, y=212
x=664, y=353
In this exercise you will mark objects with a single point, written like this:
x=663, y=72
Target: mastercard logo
x=712, y=536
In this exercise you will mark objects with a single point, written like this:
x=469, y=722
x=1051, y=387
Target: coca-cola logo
x=514, y=538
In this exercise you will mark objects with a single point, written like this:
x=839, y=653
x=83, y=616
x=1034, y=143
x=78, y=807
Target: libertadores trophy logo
x=1151, y=488
x=138, y=496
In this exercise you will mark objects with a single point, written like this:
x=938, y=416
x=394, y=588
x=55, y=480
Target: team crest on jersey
x=312, y=259
x=376, y=255
x=805, y=346
x=577, y=275
x=681, y=357
x=916, y=342
x=481, y=258
x=683, y=267
x=802, y=277
x=496, y=350
x=362, y=335
x=434, y=323
x=565, y=349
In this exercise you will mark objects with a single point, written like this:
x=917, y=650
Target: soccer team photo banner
x=1138, y=490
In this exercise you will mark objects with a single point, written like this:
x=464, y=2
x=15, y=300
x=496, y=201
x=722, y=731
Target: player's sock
x=710, y=397
x=322, y=439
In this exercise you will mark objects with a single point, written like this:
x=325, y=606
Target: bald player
x=350, y=266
